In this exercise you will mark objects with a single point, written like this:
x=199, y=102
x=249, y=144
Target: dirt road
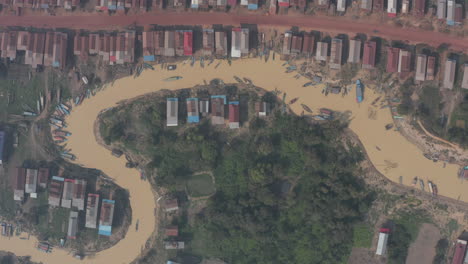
x=321, y=23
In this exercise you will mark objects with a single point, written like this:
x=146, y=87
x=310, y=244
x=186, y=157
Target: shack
x=72, y=225
x=172, y=111
x=393, y=55
x=192, y=110
x=368, y=58
x=217, y=109
x=43, y=177
x=67, y=193
x=322, y=50
x=18, y=184
x=107, y=215
x=421, y=66
x=234, y=114
x=55, y=190
x=79, y=190
x=92, y=210
x=336, y=53
x=382, y=243
x=171, y=205
x=2, y=145
x=31, y=181
x=354, y=51
x=449, y=74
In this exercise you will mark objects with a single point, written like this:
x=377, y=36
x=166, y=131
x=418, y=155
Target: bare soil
x=423, y=249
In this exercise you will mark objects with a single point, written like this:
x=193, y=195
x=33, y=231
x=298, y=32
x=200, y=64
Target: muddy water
x=397, y=157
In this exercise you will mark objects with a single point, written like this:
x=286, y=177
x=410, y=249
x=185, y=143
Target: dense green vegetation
x=404, y=232
x=286, y=191
x=441, y=251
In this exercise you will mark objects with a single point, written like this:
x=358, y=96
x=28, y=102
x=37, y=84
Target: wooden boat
x=173, y=78
x=306, y=108
x=293, y=100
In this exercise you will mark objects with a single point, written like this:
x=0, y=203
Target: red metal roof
x=460, y=250
x=172, y=231
x=368, y=57
x=418, y=7
x=188, y=40
x=392, y=59
x=43, y=175
x=233, y=113
x=20, y=179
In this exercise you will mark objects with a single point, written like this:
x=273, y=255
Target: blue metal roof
x=450, y=22
x=252, y=7
x=148, y=58
x=173, y=99
x=194, y=5
x=234, y=102
x=57, y=178
x=192, y=99
x=108, y=201
x=219, y=96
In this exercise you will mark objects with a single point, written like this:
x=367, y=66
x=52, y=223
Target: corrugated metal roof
x=449, y=74
x=354, y=51
x=392, y=59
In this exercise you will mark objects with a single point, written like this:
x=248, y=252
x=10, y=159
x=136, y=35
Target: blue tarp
x=450, y=22
x=148, y=58
x=57, y=178
x=105, y=230
x=234, y=103
x=173, y=99
x=195, y=6
x=252, y=6
x=193, y=119
x=55, y=64
x=112, y=7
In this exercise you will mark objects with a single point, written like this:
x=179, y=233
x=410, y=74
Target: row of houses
x=112, y=48
x=39, y=48
x=217, y=103
x=26, y=181
x=40, y=4
x=398, y=60
x=450, y=11
x=167, y=43
x=172, y=43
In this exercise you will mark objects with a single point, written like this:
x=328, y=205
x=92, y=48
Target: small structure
x=172, y=231
x=460, y=250
x=192, y=110
x=169, y=44
x=179, y=42
x=391, y=8
x=287, y=43
x=354, y=51
x=451, y=12
x=148, y=46
x=449, y=74
x=404, y=63
x=296, y=44
x=308, y=44
x=430, y=73
x=336, y=53
x=382, y=243
x=72, y=225
x=2, y=145
x=419, y=7
x=204, y=107
x=172, y=111
x=67, y=193
x=43, y=177
x=31, y=181
x=233, y=114
x=261, y=108
x=217, y=109
x=465, y=77
x=221, y=43
x=366, y=5
x=368, y=58
x=208, y=42
x=92, y=210
x=240, y=42
x=174, y=245
x=18, y=184
x=421, y=65
x=55, y=190
x=107, y=215
x=441, y=9
x=79, y=191
x=322, y=50
x=341, y=6
x=458, y=14
x=171, y=205
x=392, y=59
x=378, y=5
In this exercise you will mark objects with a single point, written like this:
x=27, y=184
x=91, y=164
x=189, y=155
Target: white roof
x=382, y=244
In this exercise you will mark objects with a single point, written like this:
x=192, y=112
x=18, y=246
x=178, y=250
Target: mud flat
x=396, y=157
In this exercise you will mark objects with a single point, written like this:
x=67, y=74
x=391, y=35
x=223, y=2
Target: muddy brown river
x=396, y=157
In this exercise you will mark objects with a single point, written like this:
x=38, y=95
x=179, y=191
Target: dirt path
x=322, y=23
x=423, y=249
x=438, y=138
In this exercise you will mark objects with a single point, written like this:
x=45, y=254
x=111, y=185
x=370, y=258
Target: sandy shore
x=405, y=158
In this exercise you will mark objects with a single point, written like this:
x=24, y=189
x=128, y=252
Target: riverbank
x=388, y=150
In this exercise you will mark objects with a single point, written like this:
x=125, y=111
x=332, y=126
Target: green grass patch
x=452, y=225
x=362, y=236
x=200, y=185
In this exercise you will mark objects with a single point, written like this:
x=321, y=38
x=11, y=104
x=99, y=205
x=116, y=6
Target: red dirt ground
x=320, y=23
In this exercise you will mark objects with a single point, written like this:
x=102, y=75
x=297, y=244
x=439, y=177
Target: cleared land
x=423, y=249
x=200, y=185
x=321, y=23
